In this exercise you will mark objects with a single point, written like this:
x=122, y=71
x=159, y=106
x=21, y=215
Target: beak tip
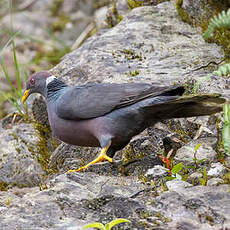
x=25, y=95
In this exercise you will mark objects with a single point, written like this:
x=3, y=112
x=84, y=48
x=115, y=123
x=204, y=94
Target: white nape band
x=49, y=79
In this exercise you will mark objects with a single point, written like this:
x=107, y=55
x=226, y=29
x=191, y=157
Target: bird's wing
x=94, y=100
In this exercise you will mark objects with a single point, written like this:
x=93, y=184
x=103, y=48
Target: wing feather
x=94, y=100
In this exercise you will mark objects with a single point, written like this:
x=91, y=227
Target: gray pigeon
x=109, y=115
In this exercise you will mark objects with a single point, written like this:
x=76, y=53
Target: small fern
x=223, y=70
x=222, y=20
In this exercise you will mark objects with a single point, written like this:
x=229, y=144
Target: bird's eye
x=32, y=81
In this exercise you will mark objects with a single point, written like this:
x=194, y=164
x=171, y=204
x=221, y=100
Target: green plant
x=16, y=89
x=107, y=226
x=134, y=73
x=195, y=153
x=175, y=172
x=222, y=20
x=223, y=70
x=194, y=159
x=226, y=129
x=199, y=81
x=204, y=179
x=134, y=3
x=16, y=92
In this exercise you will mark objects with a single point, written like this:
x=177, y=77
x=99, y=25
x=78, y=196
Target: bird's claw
x=100, y=158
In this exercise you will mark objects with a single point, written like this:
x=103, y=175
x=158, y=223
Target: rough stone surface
x=205, y=151
x=71, y=201
x=194, y=178
x=156, y=172
x=18, y=165
x=217, y=169
x=199, y=207
x=150, y=39
x=176, y=185
x=154, y=41
x=215, y=181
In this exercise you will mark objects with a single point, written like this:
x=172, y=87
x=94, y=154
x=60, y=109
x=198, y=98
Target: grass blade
x=4, y=68
x=115, y=222
x=94, y=225
x=18, y=77
x=226, y=129
x=8, y=42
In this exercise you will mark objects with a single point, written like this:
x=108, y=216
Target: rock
x=157, y=171
x=198, y=207
x=217, y=170
x=72, y=201
x=100, y=17
x=194, y=178
x=77, y=199
x=149, y=49
x=215, y=181
x=19, y=162
x=227, y=162
x=176, y=185
x=170, y=142
x=150, y=44
x=201, y=11
x=205, y=151
x=195, y=175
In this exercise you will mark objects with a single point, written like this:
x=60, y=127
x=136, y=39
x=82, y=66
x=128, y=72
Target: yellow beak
x=25, y=95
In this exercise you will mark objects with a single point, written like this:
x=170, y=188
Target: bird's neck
x=54, y=89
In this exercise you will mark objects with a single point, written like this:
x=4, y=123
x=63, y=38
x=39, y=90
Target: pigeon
x=108, y=115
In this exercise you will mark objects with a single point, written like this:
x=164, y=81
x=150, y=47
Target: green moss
x=183, y=14
x=179, y=130
x=42, y=151
x=59, y=24
x=8, y=202
x=97, y=203
x=211, y=8
x=134, y=3
x=145, y=214
x=4, y=186
x=113, y=17
x=134, y=73
x=227, y=178
x=55, y=8
x=131, y=55
x=128, y=154
x=222, y=38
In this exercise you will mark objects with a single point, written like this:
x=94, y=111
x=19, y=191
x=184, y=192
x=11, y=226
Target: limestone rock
x=176, y=184
x=217, y=170
x=19, y=165
x=215, y=181
x=156, y=172
x=205, y=151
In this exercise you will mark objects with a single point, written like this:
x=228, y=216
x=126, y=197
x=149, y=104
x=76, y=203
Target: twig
x=143, y=190
x=26, y=4
x=103, y=185
x=83, y=36
x=205, y=66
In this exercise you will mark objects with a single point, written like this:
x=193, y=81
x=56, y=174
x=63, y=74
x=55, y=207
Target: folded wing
x=94, y=100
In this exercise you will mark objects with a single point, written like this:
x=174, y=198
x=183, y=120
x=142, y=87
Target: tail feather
x=185, y=106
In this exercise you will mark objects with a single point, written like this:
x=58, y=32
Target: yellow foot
x=102, y=156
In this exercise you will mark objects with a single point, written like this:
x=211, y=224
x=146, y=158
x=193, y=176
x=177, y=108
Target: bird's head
x=37, y=84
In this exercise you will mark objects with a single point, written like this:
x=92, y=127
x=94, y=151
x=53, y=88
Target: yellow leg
x=102, y=156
